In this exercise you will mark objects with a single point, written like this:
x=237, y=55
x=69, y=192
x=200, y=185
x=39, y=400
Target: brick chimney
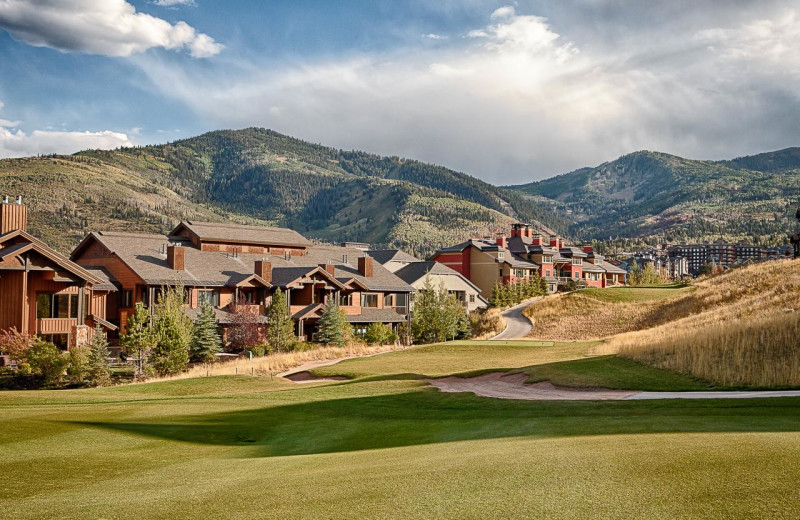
x=330, y=268
x=176, y=258
x=555, y=242
x=517, y=230
x=13, y=217
x=264, y=270
x=365, y=266
x=528, y=233
x=588, y=249
x=536, y=239
x=501, y=241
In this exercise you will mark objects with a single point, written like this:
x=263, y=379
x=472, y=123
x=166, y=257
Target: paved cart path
x=517, y=325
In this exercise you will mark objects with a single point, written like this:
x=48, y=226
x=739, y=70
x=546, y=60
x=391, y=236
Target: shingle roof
x=418, y=270
x=223, y=316
x=244, y=234
x=47, y=252
x=369, y=315
x=144, y=255
x=107, y=283
x=391, y=255
x=611, y=268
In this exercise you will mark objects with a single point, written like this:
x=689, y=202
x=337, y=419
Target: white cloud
x=16, y=143
x=434, y=36
x=503, y=13
x=514, y=102
x=776, y=40
x=107, y=27
x=173, y=3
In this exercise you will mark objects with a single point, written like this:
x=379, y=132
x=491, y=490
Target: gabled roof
x=286, y=276
x=418, y=270
x=611, y=268
x=145, y=256
x=391, y=255
x=479, y=243
x=239, y=233
x=108, y=282
x=369, y=315
x=34, y=244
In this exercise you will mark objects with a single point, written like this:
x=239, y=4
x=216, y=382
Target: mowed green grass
x=388, y=446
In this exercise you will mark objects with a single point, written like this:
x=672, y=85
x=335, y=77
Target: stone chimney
x=365, y=266
x=264, y=270
x=330, y=268
x=13, y=217
x=176, y=257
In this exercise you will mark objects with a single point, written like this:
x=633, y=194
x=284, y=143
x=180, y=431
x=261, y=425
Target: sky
x=507, y=91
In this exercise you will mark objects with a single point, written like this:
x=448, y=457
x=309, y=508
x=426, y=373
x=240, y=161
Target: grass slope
x=380, y=447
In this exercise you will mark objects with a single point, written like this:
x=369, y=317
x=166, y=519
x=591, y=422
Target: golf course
x=386, y=444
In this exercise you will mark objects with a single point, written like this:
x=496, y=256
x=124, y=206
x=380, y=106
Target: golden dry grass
x=487, y=324
x=760, y=352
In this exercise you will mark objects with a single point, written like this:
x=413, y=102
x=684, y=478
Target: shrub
x=380, y=334
x=78, y=368
x=16, y=345
x=47, y=362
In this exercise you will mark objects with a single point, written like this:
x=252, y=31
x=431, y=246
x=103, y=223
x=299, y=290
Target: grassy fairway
x=386, y=446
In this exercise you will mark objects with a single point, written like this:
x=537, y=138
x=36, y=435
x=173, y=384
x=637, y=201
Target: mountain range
x=259, y=176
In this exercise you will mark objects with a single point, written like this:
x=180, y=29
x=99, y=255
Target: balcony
x=55, y=325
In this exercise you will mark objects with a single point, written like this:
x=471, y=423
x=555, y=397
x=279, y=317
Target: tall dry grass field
x=487, y=324
x=760, y=353
x=738, y=328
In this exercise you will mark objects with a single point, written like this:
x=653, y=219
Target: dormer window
x=577, y=261
x=500, y=254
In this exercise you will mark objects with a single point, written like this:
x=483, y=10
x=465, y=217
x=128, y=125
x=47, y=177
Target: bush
x=47, y=362
x=261, y=349
x=380, y=334
x=78, y=368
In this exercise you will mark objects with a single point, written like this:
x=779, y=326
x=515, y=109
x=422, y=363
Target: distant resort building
x=486, y=262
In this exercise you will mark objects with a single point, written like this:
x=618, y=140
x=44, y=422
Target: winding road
x=517, y=325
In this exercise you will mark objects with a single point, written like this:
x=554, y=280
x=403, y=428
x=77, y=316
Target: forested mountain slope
x=260, y=176
x=650, y=193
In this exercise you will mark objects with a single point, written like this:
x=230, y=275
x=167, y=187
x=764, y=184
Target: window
x=59, y=340
x=211, y=297
x=500, y=254
x=577, y=261
x=49, y=305
x=471, y=298
x=401, y=300
x=346, y=300
x=369, y=300
x=387, y=300
x=126, y=299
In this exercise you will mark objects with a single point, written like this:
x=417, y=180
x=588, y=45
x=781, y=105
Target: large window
x=387, y=300
x=211, y=297
x=401, y=300
x=49, y=305
x=346, y=300
x=369, y=300
x=126, y=299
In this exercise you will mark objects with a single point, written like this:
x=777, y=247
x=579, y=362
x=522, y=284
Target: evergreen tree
x=138, y=338
x=635, y=276
x=280, y=327
x=333, y=326
x=496, y=299
x=98, y=369
x=206, y=342
x=173, y=333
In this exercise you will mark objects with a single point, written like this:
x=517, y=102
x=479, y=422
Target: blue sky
x=507, y=91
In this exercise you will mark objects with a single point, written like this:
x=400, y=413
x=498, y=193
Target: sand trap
x=512, y=386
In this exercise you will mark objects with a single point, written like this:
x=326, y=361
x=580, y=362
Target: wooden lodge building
x=44, y=293
x=234, y=265
x=487, y=262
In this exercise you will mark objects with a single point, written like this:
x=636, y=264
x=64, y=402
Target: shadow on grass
x=429, y=417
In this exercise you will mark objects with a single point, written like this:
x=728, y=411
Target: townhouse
x=42, y=292
x=525, y=253
x=417, y=273
x=237, y=268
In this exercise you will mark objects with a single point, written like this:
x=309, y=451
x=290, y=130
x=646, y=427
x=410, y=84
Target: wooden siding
x=13, y=217
x=55, y=325
x=12, y=300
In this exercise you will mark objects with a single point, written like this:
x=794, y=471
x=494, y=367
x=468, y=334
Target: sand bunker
x=512, y=386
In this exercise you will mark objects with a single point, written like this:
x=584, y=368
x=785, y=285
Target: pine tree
x=173, y=333
x=206, y=342
x=496, y=299
x=98, y=369
x=280, y=327
x=138, y=338
x=333, y=326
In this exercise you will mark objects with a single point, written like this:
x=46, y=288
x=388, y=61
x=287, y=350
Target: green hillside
x=651, y=193
x=260, y=176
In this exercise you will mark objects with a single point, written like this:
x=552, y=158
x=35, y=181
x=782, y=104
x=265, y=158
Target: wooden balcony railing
x=55, y=325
